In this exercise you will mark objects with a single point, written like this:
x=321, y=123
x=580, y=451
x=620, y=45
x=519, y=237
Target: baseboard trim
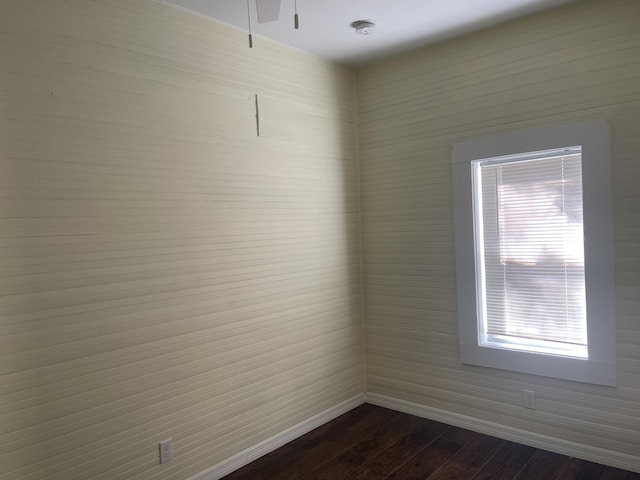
x=564, y=447
x=247, y=456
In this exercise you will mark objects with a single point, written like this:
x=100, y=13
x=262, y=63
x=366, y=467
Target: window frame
x=593, y=137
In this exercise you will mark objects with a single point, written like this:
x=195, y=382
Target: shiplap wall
x=164, y=271
x=578, y=62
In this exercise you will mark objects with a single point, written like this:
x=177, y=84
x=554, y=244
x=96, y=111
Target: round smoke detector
x=364, y=27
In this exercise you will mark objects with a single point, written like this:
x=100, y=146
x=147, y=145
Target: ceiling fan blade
x=268, y=10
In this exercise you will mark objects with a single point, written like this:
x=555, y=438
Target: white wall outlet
x=529, y=399
x=166, y=450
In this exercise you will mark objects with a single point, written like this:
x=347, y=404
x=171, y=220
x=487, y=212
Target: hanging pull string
x=296, y=23
x=249, y=22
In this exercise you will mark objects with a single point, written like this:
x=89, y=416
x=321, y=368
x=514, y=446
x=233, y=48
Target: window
x=530, y=256
x=534, y=252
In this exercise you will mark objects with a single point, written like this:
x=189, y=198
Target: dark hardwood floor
x=374, y=443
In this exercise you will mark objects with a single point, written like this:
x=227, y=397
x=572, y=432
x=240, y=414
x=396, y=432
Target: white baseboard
x=564, y=447
x=572, y=449
x=252, y=453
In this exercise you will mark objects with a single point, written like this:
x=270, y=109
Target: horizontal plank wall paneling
x=165, y=272
x=577, y=62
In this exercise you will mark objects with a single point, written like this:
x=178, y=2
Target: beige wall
x=164, y=271
x=578, y=62
x=167, y=273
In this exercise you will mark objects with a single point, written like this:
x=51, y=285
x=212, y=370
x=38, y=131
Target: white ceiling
x=402, y=25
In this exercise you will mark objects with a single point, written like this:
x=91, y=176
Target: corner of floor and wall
x=173, y=268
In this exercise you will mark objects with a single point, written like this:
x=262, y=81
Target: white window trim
x=593, y=136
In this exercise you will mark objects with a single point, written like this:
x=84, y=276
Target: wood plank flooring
x=374, y=443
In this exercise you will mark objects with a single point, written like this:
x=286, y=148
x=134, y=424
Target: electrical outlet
x=529, y=399
x=166, y=451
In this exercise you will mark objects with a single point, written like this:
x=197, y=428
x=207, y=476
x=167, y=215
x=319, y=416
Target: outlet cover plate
x=529, y=399
x=166, y=450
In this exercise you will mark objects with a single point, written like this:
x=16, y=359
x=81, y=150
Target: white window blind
x=530, y=252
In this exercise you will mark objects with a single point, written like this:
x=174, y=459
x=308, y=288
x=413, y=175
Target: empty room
x=309, y=239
